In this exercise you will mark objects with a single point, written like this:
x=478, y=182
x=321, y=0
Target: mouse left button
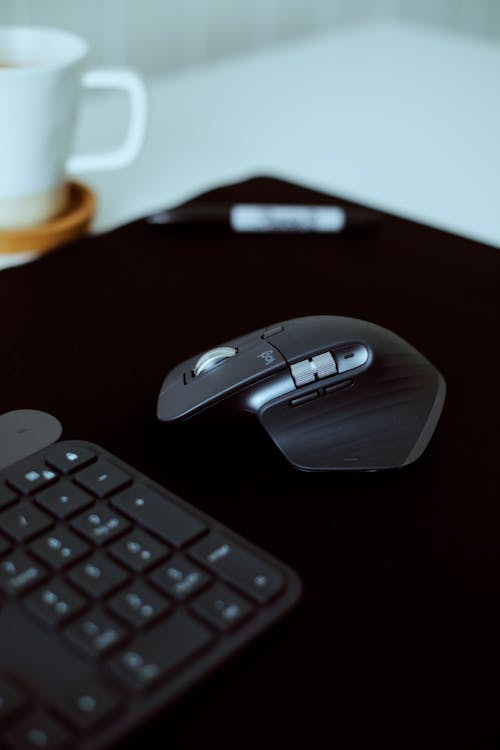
x=184, y=393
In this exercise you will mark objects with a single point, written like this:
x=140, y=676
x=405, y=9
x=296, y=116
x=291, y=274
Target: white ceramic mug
x=41, y=71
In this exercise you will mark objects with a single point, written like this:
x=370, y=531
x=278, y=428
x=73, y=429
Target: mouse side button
x=350, y=357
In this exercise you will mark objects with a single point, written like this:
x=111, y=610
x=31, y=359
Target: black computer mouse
x=334, y=393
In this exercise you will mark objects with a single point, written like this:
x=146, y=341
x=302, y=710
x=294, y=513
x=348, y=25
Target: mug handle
x=125, y=80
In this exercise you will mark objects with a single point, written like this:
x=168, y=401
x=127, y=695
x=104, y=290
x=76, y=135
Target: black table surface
x=397, y=639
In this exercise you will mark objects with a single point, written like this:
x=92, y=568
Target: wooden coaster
x=73, y=222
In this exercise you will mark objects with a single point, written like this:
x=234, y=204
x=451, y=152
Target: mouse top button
x=272, y=331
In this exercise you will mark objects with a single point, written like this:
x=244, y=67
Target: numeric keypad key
x=68, y=458
x=139, y=605
x=102, y=478
x=98, y=576
x=180, y=578
x=222, y=607
x=148, y=660
x=96, y=633
x=20, y=573
x=64, y=499
x=24, y=521
x=158, y=514
x=30, y=476
x=239, y=567
x=139, y=551
x=100, y=525
x=59, y=548
x=55, y=603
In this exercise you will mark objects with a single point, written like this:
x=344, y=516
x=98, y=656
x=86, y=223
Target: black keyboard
x=116, y=597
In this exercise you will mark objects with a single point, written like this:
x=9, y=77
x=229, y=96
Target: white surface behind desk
x=402, y=118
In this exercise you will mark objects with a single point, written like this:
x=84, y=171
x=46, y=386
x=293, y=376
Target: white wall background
x=155, y=36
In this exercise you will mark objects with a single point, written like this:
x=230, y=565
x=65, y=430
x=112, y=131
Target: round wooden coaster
x=73, y=222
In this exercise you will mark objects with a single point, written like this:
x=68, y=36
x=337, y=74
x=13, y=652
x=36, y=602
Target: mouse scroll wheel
x=212, y=358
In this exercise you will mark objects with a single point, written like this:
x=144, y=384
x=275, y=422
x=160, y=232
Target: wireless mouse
x=333, y=393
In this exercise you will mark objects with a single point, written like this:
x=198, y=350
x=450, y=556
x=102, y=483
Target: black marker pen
x=266, y=218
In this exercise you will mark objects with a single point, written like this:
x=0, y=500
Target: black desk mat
x=397, y=640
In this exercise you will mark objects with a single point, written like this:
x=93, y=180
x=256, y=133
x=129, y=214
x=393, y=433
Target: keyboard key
x=37, y=731
x=139, y=605
x=139, y=551
x=30, y=476
x=96, y=634
x=100, y=524
x=158, y=514
x=180, y=578
x=238, y=566
x=88, y=704
x=7, y=496
x=11, y=699
x=67, y=459
x=59, y=548
x=55, y=603
x=23, y=521
x=222, y=608
x=20, y=573
x=102, y=478
x=155, y=654
x=64, y=499
x=98, y=576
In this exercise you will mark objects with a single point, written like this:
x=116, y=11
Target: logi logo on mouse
x=267, y=356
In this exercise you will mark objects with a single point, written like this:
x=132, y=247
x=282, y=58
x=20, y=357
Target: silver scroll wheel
x=212, y=358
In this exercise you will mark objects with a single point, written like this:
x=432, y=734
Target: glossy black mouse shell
x=333, y=393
